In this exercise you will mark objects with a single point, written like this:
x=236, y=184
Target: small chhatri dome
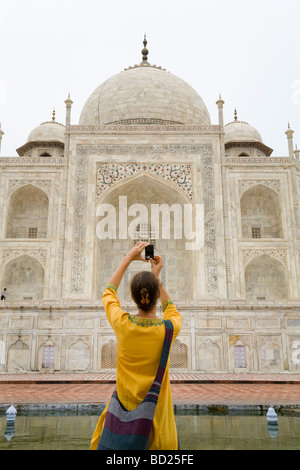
x=50, y=132
x=144, y=94
x=241, y=132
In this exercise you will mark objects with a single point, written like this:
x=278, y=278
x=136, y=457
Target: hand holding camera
x=135, y=254
x=156, y=265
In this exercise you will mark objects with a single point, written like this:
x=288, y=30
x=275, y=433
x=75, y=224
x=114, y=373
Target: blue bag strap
x=165, y=351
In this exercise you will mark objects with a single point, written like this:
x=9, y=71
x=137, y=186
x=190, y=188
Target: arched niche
x=179, y=355
x=78, y=356
x=47, y=355
x=209, y=356
x=270, y=356
x=261, y=213
x=18, y=357
x=266, y=279
x=109, y=355
x=24, y=278
x=177, y=273
x=27, y=215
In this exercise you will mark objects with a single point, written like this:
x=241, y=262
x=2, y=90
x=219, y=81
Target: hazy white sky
x=246, y=50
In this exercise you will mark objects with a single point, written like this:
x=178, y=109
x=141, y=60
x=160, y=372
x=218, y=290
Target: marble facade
x=239, y=295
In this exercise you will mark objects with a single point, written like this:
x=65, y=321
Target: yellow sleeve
x=171, y=313
x=112, y=306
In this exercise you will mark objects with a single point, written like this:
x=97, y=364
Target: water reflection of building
x=147, y=135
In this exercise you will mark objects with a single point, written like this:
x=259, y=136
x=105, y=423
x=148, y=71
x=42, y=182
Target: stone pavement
x=190, y=389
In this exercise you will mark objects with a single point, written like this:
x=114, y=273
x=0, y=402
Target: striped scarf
x=130, y=430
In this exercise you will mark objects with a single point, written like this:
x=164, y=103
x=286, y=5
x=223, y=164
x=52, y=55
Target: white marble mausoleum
x=145, y=137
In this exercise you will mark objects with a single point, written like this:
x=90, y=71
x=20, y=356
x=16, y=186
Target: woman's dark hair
x=144, y=289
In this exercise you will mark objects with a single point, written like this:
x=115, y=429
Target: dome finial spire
x=235, y=115
x=53, y=115
x=145, y=51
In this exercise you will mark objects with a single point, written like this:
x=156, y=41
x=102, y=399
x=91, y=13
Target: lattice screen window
x=256, y=232
x=32, y=232
x=109, y=355
x=144, y=232
x=240, y=356
x=48, y=357
x=179, y=355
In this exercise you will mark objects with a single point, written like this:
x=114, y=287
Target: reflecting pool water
x=204, y=432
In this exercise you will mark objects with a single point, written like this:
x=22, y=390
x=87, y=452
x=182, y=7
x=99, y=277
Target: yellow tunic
x=139, y=346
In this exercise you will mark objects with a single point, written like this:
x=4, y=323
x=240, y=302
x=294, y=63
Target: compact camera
x=149, y=252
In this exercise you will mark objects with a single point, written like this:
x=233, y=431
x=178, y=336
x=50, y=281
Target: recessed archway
x=266, y=279
x=24, y=278
x=147, y=190
x=27, y=213
x=261, y=213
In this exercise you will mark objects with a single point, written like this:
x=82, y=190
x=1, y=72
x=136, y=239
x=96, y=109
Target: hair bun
x=145, y=296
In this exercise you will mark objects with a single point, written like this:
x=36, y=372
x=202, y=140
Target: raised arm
x=110, y=299
x=134, y=254
x=157, y=265
x=169, y=309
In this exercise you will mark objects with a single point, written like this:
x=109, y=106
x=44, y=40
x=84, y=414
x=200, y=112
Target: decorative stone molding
x=111, y=173
x=79, y=226
x=249, y=161
x=22, y=161
x=143, y=121
x=39, y=254
x=144, y=128
x=246, y=184
x=250, y=254
x=13, y=185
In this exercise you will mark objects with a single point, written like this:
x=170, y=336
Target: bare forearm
x=117, y=276
x=133, y=255
x=163, y=294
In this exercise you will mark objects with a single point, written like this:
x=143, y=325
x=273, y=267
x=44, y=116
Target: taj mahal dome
x=145, y=139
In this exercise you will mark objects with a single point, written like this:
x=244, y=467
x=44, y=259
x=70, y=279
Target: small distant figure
x=3, y=294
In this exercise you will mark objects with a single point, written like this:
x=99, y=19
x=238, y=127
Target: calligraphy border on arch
x=79, y=223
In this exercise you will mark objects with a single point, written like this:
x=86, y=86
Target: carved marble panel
x=45, y=185
x=246, y=184
x=209, y=353
x=111, y=173
x=269, y=352
x=250, y=253
x=18, y=354
x=39, y=254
